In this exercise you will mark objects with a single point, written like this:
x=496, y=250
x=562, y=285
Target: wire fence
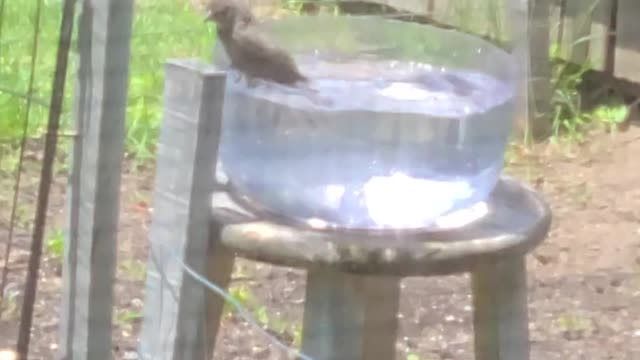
x=29, y=33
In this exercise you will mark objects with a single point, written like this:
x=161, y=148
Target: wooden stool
x=352, y=278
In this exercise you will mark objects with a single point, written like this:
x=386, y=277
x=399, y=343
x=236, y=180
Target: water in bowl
x=366, y=144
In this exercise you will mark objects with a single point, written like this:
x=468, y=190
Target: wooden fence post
x=94, y=190
x=539, y=87
x=175, y=317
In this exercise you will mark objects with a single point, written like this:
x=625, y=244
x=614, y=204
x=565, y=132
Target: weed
x=126, y=319
x=55, y=243
x=133, y=269
x=24, y=216
x=128, y=316
x=611, y=115
x=294, y=6
x=277, y=324
x=10, y=301
x=297, y=337
x=566, y=100
x=15, y=64
x=243, y=296
x=8, y=160
x=573, y=326
x=162, y=29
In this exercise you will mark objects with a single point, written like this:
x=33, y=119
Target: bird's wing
x=258, y=48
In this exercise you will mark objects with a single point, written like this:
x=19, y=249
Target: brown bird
x=250, y=52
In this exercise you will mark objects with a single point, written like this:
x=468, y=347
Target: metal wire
x=23, y=143
x=241, y=311
x=55, y=111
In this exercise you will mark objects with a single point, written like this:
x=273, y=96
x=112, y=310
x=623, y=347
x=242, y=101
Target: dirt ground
x=584, y=279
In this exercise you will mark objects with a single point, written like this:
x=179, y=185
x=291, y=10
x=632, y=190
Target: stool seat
x=518, y=220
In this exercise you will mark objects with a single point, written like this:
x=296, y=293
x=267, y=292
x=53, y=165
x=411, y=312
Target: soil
x=584, y=279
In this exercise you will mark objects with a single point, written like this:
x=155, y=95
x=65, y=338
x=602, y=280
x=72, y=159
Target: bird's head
x=225, y=13
x=220, y=11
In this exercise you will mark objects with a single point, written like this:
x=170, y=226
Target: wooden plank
x=601, y=21
x=438, y=10
x=576, y=27
x=538, y=102
x=175, y=322
x=90, y=248
x=555, y=21
x=469, y=16
x=413, y=6
x=350, y=317
x=627, y=55
x=500, y=318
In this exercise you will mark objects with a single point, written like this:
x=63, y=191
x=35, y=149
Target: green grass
x=263, y=316
x=55, y=243
x=16, y=49
x=162, y=29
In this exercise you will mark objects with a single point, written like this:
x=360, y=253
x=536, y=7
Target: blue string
x=241, y=310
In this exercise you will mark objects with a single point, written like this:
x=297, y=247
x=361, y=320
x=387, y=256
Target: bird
x=251, y=53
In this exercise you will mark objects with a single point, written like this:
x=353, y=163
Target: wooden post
x=500, y=318
x=90, y=248
x=627, y=64
x=350, y=317
x=539, y=87
x=577, y=30
x=601, y=36
x=175, y=323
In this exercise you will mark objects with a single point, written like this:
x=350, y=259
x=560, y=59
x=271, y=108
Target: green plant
x=11, y=306
x=8, y=160
x=243, y=296
x=297, y=336
x=128, y=316
x=126, y=319
x=611, y=115
x=568, y=118
x=24, y=215
x=162, y=29
x=277, y=324
x=293, y=5
x=572, y=323
x=55, y=243
x=18, y=33
x=133, y=269
x=262, y=316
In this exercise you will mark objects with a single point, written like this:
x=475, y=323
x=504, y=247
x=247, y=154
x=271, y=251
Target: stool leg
x=350, y=317
x=500, y=316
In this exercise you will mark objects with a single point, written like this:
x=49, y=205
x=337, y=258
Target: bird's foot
x=252, y=82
